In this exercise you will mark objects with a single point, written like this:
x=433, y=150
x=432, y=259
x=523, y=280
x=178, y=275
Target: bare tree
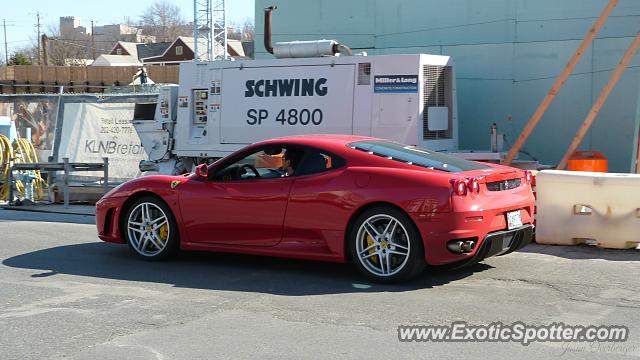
x=70, y=49
x=243, y=32
x=248, y=29
x=163, y=20
x=126, y=20
x=233, y=31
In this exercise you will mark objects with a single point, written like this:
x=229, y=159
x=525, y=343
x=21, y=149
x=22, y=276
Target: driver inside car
x=272, y=162
x=292, y=159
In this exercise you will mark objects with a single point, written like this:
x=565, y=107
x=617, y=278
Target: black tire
x=172, y=242
x=412, y=265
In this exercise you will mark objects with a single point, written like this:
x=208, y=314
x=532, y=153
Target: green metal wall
x=508, y=54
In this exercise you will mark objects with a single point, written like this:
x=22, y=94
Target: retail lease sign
x=93, y=131
x=395, y=84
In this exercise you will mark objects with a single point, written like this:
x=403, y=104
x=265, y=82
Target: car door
x=238, y=209
x=318, y=203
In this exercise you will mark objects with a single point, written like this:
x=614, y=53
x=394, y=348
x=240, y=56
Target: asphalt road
x=65, y=294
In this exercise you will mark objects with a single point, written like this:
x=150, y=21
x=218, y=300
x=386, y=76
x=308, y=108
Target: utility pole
x=45, y=44
x=93, y=41
x=6, y=52
x=38, y=26
x=6, y=48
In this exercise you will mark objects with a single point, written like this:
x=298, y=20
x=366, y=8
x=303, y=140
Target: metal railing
x=65, y=166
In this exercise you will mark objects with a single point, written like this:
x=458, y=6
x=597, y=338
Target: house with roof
x=165, y=53
x=183, y=49
x=130, y=53
x=116, y=60
x=140, y=50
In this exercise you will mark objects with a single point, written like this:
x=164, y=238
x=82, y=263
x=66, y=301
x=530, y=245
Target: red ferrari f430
x=388, y=208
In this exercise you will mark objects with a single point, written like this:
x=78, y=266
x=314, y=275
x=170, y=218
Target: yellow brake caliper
x=164, y=232
x=371, y=251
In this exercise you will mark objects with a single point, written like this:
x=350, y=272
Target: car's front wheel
x=386, y=246
x=151, y=229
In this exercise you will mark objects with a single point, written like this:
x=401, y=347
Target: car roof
x=317, y=140
x=336, y=144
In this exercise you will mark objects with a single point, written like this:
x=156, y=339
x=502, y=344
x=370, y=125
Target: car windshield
x=416, y=156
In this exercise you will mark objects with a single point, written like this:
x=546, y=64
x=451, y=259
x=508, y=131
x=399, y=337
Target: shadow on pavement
x=583, y=252
x=217, y=271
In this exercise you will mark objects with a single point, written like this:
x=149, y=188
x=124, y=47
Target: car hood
x=152, y=183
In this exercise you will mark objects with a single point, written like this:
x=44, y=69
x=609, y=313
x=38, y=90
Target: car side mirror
x=202, y=171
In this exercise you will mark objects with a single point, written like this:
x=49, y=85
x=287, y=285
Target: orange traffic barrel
x=588, y=160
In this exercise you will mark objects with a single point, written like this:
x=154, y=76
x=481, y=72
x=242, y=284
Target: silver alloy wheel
x=148, y=229
x=382, y=245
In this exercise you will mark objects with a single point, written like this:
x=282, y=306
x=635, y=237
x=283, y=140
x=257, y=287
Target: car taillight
x=528, y=177
x=473, y=185
x=460, y=187
x=463, y=186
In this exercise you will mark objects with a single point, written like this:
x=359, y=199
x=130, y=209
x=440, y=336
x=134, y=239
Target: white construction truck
x=311, y=87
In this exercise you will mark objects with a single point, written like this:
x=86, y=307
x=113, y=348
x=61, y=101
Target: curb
x=62, y=212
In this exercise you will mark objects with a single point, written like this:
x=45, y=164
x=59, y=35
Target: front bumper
x=107, y=214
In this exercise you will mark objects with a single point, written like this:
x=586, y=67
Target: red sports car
x=387, y=207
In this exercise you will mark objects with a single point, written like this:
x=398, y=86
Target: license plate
x=514, y=219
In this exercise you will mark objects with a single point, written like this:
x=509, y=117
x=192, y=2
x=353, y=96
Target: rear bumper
x=483, y=227
x=504, y=242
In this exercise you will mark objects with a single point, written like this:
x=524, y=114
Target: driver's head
x=292, y=159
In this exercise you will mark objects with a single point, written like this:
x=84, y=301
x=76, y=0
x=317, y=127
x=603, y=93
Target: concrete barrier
x=601, y=209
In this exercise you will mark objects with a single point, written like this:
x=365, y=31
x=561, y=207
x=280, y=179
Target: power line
x=73, y=44
x=17, y=41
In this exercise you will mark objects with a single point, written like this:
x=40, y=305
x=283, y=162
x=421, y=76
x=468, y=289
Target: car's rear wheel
x=386, y=246
x=151, y=229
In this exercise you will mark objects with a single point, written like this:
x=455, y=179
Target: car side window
x=316, y=161
x=263, y=164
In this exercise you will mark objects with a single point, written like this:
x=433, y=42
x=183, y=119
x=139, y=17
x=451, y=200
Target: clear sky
x=21, y=15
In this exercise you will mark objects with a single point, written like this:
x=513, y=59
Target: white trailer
x=221, y=106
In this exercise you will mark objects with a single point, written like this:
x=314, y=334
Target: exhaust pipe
x=468, y=246
x=299, y=49
x=267, y=28
x=461, y=247
x=455, y=246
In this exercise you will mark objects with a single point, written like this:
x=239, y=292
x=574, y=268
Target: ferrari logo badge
x=175, y=183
